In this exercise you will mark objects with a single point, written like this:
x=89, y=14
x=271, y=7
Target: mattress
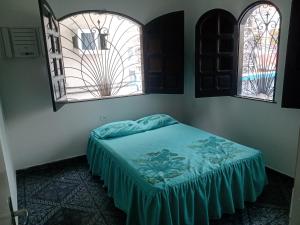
x=176, y=174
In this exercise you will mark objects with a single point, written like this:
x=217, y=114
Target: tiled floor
x=65, y=193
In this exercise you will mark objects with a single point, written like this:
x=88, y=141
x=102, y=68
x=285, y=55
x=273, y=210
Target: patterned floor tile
x=282, y=220
x=99, y=196
x=68, y=174
x=264, y=215
x=39, y=212
x=32, y=184
x=68, y=216
x=65, y=193
x=55, y=191
x=81, y=199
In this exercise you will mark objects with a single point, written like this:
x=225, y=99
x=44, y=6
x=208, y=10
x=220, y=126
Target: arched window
x=100, y=52
x=259, y=29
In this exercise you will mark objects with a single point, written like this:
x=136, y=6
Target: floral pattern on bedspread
x=201, y=156
x=216, y=150
x=156, y=167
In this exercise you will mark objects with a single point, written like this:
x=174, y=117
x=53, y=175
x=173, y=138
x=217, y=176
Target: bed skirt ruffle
x=192, y=203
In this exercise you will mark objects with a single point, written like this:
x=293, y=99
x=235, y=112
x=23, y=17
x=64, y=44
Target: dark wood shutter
x=53, y=51
x=216, y=54
x=291, y=86
x=163, y=40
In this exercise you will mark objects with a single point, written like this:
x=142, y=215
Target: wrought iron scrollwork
x=101, y=52
x=259, y=34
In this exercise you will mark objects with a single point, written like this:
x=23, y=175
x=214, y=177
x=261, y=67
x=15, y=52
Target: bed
x=169, y=173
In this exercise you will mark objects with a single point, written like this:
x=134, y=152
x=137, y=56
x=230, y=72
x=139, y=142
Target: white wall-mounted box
x=20, y=42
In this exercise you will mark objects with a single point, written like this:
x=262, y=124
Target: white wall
x=38, y=135
x=7, y=169
x=295, y=202
x=265, y=126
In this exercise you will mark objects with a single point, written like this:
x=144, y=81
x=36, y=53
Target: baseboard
x=78, y=157
x=277, y=171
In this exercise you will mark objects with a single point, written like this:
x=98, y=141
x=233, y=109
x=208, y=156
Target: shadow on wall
x=38, y=135
x=24, y=83
x=19, y=14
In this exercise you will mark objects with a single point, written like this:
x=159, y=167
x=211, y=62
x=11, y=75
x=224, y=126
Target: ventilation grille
x=24, y=42
x=20, y=42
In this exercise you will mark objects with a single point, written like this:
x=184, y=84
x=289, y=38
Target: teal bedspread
x=176, y=175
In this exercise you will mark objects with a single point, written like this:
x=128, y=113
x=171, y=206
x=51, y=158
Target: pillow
x=156, y=121
x=117, y=129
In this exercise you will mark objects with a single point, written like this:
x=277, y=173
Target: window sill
x=255, y=99
x=104, y=98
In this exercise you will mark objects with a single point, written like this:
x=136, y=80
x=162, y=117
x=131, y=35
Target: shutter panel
x=163, y=54
x=291, y=90
x=216, y=54
x=53, y=51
